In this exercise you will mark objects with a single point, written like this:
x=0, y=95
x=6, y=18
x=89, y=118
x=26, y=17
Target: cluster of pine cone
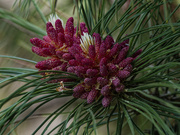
x=103, y=64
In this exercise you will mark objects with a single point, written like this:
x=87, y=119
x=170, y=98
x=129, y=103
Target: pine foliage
x=153, y=89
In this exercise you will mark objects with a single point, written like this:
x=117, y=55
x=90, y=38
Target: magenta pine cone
x=79, y=88
x=92, y=72
x=67, y=56
x=106, y=101
x=122, y=54
x=125, y=62
x=71, y=69
x=112, y=67
x=120, y=88
x=48, y=64
x=92, y=52
x=128, y=68
x=102, y=81
x=106, y=90
x=84, y=95
x=102, y=64
x=90, y=81
x=109, y=41
x=92, y=95
x=115, y=50
x=138, y=52
x=41, y=51
x=116, y=81
x=123, y=74
x=77, y=94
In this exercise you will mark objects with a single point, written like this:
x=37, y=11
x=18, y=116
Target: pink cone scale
x=103, y=65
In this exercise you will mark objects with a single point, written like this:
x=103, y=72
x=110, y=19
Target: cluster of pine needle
x=145, y=101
